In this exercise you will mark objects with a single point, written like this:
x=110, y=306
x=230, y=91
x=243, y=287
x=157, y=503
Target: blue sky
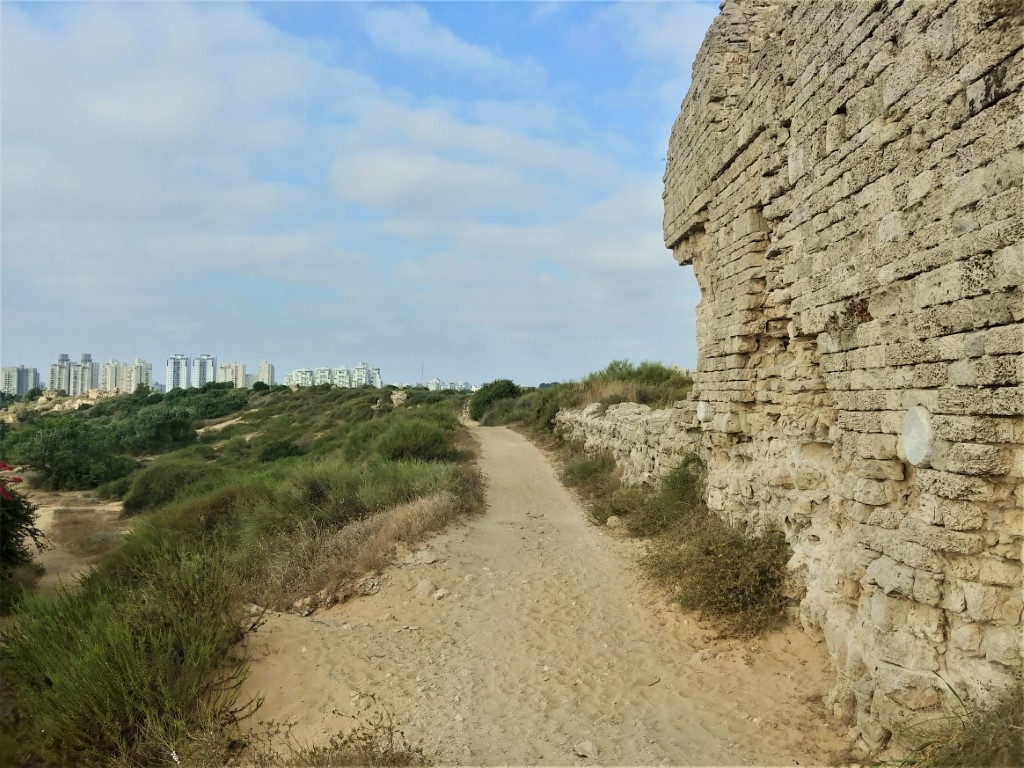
x=470, y=187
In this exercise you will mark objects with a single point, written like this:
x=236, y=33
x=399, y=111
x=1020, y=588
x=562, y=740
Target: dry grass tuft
x=315, y=557
x=376, y=743
x=972, y=736
x=408, y=524
x=610, y=392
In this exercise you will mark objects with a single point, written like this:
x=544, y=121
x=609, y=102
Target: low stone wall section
x=646, y=443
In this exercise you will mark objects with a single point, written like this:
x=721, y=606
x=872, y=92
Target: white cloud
x=181, y=175
x=408, y=30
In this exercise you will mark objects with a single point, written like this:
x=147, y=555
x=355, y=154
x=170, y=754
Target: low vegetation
x=653, y=384
x=373, y=744
x=305, y=493
x=973, y=736
x=726, y=574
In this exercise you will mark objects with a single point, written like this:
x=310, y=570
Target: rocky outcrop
x=845, y=179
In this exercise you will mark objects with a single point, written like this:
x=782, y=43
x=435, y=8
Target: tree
x=70, y=452
x=17, y=525
x=260, y=386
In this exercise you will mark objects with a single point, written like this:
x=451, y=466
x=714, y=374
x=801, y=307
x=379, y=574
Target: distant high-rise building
x=179, y=372
x=266, y=373
x=18, y=380
x=113, y=376
x=301, y=377
x=233, y=372
x=88, y=375
x=361, y=375
x=60, y=374
x=204, y=370
x=435, y=384
x=251, y=379
x=74, y=378
x=140, y=373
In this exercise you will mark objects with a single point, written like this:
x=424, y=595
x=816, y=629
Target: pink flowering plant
x=17, y=524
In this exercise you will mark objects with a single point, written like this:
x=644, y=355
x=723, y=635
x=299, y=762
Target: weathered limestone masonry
x=646, y=443
x=846, y=180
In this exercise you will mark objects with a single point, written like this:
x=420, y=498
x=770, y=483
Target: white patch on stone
x=918, y=437
x=704, y=412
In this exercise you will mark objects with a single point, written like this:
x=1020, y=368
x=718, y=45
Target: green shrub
x=593, y=475
x=678, y=498
x=272, y=450
x=164, y=480
x=201, y=451
x=506, y=411
x=489, y=394
x=359, y=439
x=115, y=489
x=725, y=574
x=69, y=451
x=327, y=492
x=122, y=673
x=237, y=449
x=156, y=429
x=622, y=501
x=414, y=439
x=385, y=484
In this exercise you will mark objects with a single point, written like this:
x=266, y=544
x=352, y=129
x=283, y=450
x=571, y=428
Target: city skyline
x=470, y=188
x=115, y=375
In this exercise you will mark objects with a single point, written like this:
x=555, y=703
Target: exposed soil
x=547, y=638
x=79, y=528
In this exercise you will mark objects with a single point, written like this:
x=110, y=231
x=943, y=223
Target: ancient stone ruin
x=846, y=180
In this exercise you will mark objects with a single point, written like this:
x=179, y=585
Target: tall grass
x=122, y=672
x=973, y=736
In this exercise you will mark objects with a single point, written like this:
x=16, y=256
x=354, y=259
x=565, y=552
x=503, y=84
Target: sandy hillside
x=547, y=639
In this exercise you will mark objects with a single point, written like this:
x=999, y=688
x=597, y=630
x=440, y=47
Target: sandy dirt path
x=79, y=528
x=548, y=638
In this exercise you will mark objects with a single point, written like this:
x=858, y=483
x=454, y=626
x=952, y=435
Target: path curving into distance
x=549, y=638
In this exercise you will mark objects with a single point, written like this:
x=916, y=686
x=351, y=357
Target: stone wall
x=845, y=179
x=646, y=443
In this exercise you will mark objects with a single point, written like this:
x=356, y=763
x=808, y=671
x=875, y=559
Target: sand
x=548, y=638
x=79, y=529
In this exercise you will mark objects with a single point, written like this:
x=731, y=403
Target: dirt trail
x=548, y=638
x=79, y=528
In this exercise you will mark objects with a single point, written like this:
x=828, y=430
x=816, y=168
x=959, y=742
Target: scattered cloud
x=408, y=30
x=194, y=178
